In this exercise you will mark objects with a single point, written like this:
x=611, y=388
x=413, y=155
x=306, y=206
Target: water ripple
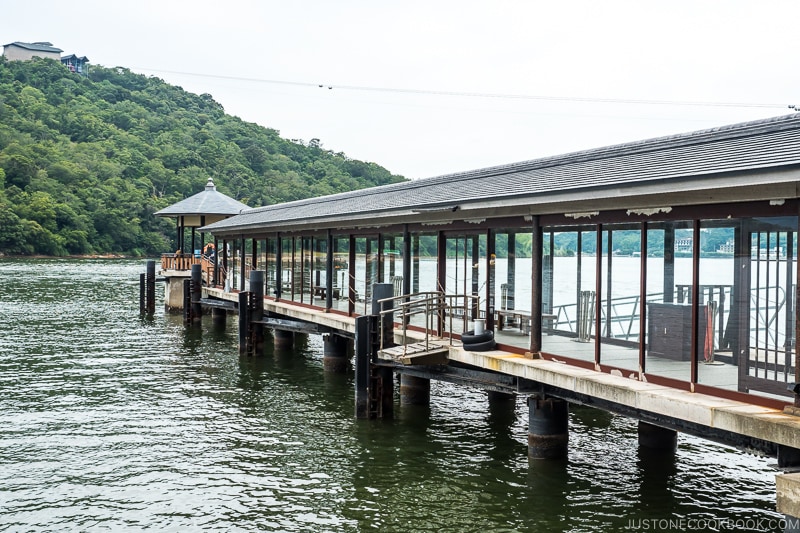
x=111, y=422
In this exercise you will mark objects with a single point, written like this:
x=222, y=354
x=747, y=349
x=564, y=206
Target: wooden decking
x=418, y=353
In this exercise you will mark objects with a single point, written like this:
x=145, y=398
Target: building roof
x=206, y=202
x=661, y=169
x=37, y=47
x=73, y=56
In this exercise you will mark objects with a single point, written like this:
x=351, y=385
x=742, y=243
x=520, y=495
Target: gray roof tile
x=39, y=47
x=207, y=202
x=747, y=146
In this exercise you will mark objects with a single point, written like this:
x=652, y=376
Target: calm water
x=113, y=423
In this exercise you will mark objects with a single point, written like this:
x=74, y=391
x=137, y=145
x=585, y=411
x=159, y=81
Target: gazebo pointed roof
x=206, y=202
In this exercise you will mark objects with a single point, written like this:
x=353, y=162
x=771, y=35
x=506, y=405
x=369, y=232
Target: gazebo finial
x=210, y=185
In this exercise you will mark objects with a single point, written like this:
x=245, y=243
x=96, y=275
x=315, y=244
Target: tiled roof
x=73, y=56
x=747, y=146
x=207, y=202
x=38, y=47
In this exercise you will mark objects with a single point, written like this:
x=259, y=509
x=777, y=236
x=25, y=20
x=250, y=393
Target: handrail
x=183, y=262
x=431, y=303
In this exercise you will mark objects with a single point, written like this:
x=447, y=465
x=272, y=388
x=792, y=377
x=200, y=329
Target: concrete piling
x=283, y=338
x=334, y=354
x=548, y=432
x=219, y=317
x=414, y=390
x=657, y=438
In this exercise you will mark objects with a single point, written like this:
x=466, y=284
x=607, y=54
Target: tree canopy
x=85, y=162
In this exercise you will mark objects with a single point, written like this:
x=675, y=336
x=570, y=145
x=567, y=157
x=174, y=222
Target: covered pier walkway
x=657, y=279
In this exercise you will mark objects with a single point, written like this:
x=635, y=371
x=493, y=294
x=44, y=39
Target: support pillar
x=334, y=354
x=788, y=457
x=363, y=355
x=219, y=317
x=383, y=391
x=502, y=410
x=197, y=294
x=788, y=500
x=548, y=433
x=148, y=289
x=257, y=311
x=245, y=345
x=283, y=338
x=501, y=400
x=414, y=390
x=657, y=438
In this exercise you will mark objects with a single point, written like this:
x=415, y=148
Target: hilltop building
x=19, y=51
x=79, y=65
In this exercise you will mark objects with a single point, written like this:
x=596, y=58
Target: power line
x=480, y=94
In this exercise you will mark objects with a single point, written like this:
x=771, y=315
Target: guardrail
x=435, y=306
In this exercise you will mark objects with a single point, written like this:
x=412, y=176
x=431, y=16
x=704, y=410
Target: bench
x=321, y=291
x=519, y=319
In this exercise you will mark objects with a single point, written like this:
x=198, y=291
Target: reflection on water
x=113, y=422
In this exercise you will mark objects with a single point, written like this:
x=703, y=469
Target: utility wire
x=480, y=94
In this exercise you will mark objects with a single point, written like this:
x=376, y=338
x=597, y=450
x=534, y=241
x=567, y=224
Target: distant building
x=683, y=244
x=726, y=248
x=76, y=64
x=18, y=51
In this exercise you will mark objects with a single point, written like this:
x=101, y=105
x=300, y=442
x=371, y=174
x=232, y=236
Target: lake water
x=113, y=423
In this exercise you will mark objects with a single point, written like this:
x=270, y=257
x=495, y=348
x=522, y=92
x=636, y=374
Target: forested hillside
x=84, y=163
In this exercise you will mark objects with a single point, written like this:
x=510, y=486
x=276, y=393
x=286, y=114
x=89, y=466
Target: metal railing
x=182, y=262
x=436, y=308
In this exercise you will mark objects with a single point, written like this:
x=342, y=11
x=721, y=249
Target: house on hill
x=19, y=51
x=79, y=65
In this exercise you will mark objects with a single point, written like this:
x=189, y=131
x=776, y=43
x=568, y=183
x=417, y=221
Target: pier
x=656, y=280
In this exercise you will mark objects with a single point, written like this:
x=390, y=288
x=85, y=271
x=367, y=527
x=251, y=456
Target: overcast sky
x=437, y=86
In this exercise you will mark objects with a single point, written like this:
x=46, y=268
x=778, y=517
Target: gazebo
x=201, y=209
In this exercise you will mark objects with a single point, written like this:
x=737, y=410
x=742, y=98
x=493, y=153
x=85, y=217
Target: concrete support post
x=501, y=400
x=414, y=390
x=334, y=354
x=787, y=488
x=657, y=438
x=548, y=433
x=502, y=410
x=219, y=317
x=788, y=457
x=282, y=338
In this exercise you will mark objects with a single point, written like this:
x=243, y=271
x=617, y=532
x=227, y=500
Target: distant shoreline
x=87, y=256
